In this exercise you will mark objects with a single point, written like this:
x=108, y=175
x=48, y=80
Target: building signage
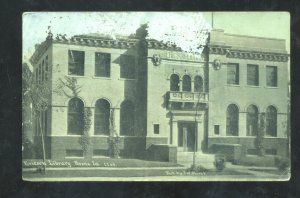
x=187, y=96
x=180, y=56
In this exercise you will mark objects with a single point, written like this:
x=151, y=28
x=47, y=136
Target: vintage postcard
x=156, y=96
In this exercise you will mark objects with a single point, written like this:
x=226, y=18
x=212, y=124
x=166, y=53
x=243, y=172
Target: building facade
x=150, y=93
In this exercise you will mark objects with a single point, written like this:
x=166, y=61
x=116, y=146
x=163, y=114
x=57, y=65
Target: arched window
x=101, y=118
x=252, y=120
x=271, y=121
x=186, y=83
x=198, y=84
x=127, y=118
x=174, y=82
x=75, y=116
x=232, y=120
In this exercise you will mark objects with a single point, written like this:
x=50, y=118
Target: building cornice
x=230, y=52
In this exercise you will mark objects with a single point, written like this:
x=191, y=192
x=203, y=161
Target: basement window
x=74, y=153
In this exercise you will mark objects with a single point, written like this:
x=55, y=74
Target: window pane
x=186, y=83
x=76, y=62
x=102, y=64
x=271, y=76
x=232, y=120
x=174, y=82
x=156, y=128
x=75, y=116
x=102, y=114
x=271, y=121
x=127, y=64
x=233, y=74
x=252, y=75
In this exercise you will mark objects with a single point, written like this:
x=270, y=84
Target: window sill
x=102, y=77
x=129, y=79
x=73, y=157
x=271, y=87
x=100, y=135
x=253, y=86
x=75, y=76
x=233, y=85
x=73, y=135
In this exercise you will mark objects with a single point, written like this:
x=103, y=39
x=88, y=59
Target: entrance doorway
x=186, y=136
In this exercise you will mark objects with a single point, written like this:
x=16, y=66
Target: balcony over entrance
x=182, y=96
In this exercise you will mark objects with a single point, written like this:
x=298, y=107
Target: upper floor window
x=76, y=63
x=186, y=83
x=174, y=82
x=127, y=64
x=271, y=121
x=75, y=116
x=102, y=64
x=198, y=84
x=271, y=72
x=252, y=75
x=233, y=74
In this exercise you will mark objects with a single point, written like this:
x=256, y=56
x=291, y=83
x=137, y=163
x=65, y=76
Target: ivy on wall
x=84, y=140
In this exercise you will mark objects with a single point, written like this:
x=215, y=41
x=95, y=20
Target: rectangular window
x=76, y=63
x=252, y=75
x=217, y=129
x=74, y=153
x=127, y=64
x=46, y=68
x=233, y=74
x=252, y=152
x=156, y=128
x=100, y=153
x=271, y=72
x=102, y=64
x=271, y=152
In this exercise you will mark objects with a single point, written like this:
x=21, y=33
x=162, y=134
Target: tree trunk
x=43, y=143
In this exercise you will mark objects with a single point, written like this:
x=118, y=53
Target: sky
x=180, y=28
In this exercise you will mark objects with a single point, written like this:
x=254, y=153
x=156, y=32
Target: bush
x=219, y=162
x=28, y=151
x=197, y=169
x=282, y=163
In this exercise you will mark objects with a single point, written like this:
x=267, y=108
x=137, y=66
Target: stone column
x=115, y=115
x=192, y=86
x=200, y=135
x=174, y=133
x=242, y=124
x=180, y=85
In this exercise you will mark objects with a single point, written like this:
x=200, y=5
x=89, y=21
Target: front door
x=186, y=136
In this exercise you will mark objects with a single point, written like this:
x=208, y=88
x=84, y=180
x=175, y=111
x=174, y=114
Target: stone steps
x=186, y=159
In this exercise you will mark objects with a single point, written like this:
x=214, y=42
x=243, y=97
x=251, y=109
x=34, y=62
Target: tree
x=37, y=94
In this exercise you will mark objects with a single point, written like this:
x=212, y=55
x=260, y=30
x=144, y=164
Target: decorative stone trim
x=244, y=54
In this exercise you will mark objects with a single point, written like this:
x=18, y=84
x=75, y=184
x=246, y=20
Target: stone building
x=163, y=100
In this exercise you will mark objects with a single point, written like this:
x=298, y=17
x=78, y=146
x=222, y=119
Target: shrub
x=219, y=162
x=197, y=169
x=28, y=148
x=282, y=163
